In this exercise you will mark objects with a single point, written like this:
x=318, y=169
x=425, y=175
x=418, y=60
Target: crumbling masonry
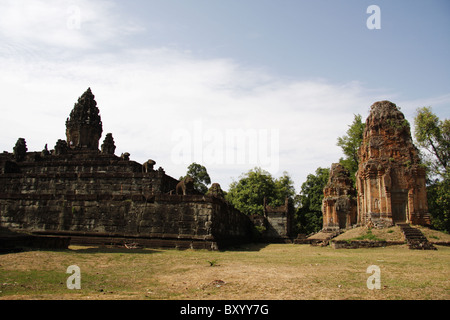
x=339, y=202
x=390, y=180
x=96, y=197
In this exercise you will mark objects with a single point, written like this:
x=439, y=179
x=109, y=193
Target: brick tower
x=390, y=179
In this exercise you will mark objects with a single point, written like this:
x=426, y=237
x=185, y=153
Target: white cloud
x=147, y=96
x=62, y=24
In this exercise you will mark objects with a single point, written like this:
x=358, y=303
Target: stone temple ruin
x=390, y=181
x=92, y=196
x=339, y=202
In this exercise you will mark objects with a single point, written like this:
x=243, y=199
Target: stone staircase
x=415, y=238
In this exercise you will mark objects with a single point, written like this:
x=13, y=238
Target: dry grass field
x=252, y=272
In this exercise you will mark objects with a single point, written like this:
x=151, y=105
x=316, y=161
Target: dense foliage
x=433, y=137
x=438, y=192
x=248, y=193
x=309, y=214
x=350, y=144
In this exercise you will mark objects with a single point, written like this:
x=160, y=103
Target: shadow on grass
x=248, y=247
x=254, y=246
x=120, y=250
x=12, y=241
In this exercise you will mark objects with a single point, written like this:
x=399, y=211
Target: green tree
x=438, y=194
x=284, y=188
x=247, y=194
x=200, y=176
x=350, y=144
x=309, y=214
x=433, y=135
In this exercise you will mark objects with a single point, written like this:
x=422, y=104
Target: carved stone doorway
x=399, y=206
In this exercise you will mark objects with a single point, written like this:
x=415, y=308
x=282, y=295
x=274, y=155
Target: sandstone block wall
x=95, y=195
x=276, y=222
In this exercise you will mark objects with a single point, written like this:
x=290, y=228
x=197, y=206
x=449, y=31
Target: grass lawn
x=272, y=272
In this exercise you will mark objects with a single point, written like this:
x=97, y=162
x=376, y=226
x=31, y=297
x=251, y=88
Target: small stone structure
x=108, y=146
x=275, y=224
x=339, y=202
x=216, y=191
x=279, y=221
x=96, y=197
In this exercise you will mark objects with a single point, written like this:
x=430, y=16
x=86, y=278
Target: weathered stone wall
x=229, y=225
x=97, y=195
x=278, y=222
x=80, y=173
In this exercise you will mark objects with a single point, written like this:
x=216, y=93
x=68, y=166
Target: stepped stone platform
x=96, y=197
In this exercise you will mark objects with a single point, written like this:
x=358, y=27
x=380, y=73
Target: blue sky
x=312, y=39
x=173, y=78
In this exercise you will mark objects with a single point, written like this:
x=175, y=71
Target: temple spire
x=84, y=125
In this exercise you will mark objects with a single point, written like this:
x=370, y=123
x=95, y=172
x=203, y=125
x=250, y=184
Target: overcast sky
x=179, y=81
